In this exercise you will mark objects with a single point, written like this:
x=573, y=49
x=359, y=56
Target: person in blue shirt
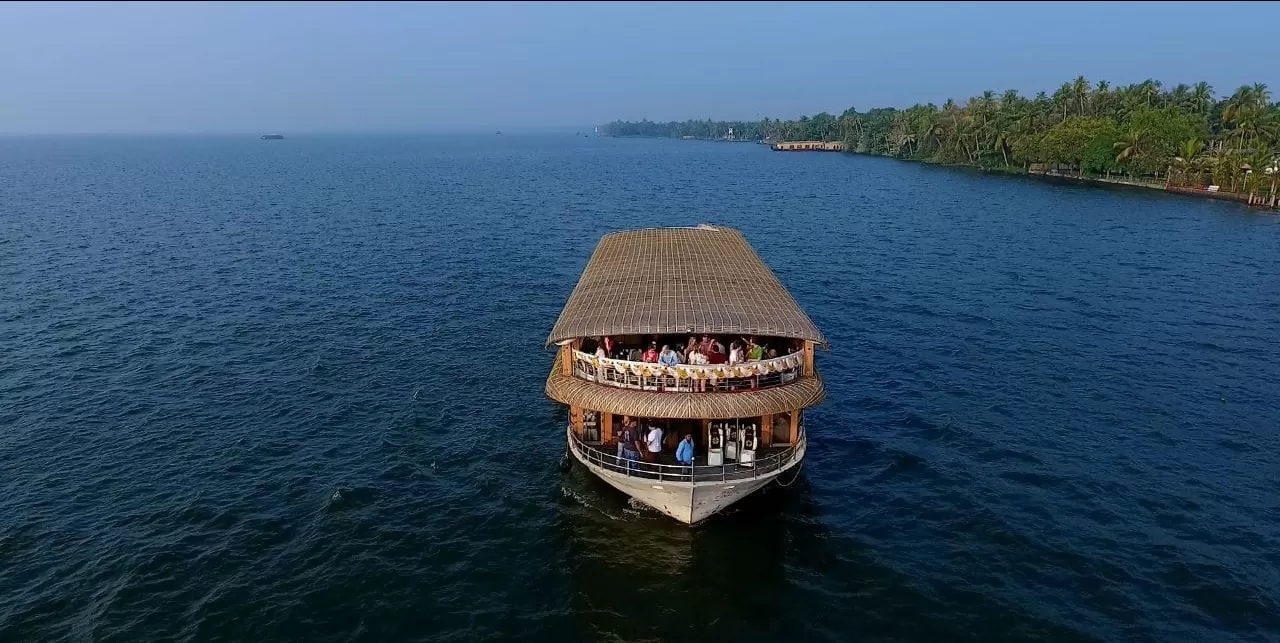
x=684, y=452
x=668, y=357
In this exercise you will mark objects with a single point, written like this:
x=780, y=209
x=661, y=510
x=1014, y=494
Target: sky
x=405, y=67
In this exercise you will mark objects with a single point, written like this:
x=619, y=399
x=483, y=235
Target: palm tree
x=1258, y=162
x=1079, y=90
x=1100, y=97
x=1261, y=95
x=1201, y=97
x=1130, y=148
x=1180, y=96
x=1150, y=90
x=1063, y=97
x=1188, y=156
x=1249, y=121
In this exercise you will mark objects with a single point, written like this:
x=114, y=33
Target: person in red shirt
x=650, y=354
x=715, y=356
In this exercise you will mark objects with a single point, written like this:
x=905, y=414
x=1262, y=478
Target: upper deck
x=668, y=287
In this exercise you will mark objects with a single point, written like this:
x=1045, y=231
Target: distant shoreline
x=1050, y=175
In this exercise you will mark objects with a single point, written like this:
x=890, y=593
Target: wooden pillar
x=808, y=358
x=794, y=434
x=606, y=427
x=575, y=420
x=766, y=430
x=566, y=360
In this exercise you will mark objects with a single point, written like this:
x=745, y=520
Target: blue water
x=292, y=391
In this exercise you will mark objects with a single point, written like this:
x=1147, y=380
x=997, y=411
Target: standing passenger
x=684, y=453
x=654, y=442
x=735, y=354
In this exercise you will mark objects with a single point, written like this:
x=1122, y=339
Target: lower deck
x=763, y=462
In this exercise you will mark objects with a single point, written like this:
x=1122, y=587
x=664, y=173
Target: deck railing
x=688, y=378
x=762, y=466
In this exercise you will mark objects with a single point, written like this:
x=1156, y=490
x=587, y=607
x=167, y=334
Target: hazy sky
x=297, y=67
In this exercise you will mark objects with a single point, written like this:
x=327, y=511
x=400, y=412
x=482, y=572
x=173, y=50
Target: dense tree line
x=1143, y=129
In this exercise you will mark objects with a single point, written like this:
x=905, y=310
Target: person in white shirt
x=696, y=358
x=736, y=356
x=654, y=442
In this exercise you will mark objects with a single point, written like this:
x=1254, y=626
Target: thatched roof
x=704, y=280
x=569, y=390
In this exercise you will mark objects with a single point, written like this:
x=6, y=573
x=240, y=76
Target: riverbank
x=1269, y=202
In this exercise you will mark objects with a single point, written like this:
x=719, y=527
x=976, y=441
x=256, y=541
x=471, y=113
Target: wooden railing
x=761, y=466
x=688, y=378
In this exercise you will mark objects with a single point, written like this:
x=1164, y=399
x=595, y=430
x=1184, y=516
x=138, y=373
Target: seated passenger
x=696, y=358
x=715, y=357
x=650, y=354
x=668, y=357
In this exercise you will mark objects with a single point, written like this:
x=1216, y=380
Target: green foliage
x=1068, y=141
x=1165, y=130
x=1139, y=128
x=1099, y=154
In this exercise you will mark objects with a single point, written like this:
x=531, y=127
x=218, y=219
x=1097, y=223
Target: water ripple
x=293, y=392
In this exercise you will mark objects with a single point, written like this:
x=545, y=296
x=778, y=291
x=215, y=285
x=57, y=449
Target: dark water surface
x=292, y=391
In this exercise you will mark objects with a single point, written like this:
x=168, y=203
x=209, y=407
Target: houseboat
x=687, y=331
x=817, y=146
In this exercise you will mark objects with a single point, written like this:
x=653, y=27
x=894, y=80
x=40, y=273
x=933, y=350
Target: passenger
x=736, y=356
x=626, y=437
x=705, y=345
x=755, y=352
x=715, y=356
x=634, y=355
x=668, y=357
x=697, y=358
x=684, y=452
x=653, y=441
x=607, y=341
x=631, y=456
x=600, y=351
x=689, y=347
x=650, y=354
x=773, y=352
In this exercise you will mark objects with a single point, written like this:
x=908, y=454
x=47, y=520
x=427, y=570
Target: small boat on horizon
x=272, y=137
x=729, y=410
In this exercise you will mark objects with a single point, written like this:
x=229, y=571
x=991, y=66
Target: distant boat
x=499, y=132
x=272, y=137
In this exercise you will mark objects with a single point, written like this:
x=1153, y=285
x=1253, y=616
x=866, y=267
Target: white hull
x=688, y=502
